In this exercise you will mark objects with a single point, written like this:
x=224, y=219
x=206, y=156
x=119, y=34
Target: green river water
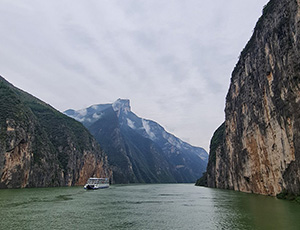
x=155, y=206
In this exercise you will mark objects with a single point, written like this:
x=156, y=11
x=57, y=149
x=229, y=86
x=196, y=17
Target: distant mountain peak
x=121, y=105
x=138, y=149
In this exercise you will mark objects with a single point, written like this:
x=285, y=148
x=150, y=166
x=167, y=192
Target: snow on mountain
x=191, y=161
x=121, y=105
x=147, y=128
x=130, y=123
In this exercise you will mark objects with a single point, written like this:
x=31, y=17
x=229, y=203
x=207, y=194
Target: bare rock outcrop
x=41, y=147
x=259, y=149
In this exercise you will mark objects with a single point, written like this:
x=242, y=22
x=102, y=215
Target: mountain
x=140, y=150
x=257, y=149
x=41, y=147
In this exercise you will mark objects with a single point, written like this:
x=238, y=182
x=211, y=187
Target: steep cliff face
x=259, y=150
x=41, y=147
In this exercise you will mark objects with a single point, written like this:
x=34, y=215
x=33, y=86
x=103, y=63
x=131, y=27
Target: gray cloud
x=173, y=59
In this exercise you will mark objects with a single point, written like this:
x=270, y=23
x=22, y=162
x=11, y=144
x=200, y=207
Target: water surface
x=158, y=206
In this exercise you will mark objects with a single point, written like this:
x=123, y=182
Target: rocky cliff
x=41, y=147
x=257, y=150
x=140, y=150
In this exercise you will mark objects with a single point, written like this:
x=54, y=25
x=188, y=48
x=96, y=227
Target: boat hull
x=97, y=183
x=89, y=187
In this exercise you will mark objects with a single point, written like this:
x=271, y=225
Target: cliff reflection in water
x=237, y=210
x=147, y=206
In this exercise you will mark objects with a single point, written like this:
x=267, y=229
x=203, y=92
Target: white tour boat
x=97, y=183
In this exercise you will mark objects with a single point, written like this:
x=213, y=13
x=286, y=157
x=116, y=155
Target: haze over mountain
x=140, y=150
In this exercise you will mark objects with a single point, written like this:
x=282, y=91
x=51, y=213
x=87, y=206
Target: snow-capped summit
x=138, y=149
x=121, y=105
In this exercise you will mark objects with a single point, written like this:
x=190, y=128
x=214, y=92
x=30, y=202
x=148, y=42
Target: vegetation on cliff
x=41, y=147
x=260, y=152
x=216, y=144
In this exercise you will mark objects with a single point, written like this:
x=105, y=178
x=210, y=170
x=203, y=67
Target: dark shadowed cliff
x=41, y=147
x=257, y=150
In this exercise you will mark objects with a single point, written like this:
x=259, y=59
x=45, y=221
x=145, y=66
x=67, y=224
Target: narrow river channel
x=144, y=206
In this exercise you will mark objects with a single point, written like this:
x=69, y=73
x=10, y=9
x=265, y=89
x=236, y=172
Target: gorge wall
x=257, y=149
x=41, y=147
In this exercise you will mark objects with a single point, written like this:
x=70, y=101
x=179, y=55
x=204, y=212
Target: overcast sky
x=173, y=59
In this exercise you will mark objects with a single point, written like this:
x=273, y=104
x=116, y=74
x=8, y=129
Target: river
x=144, y=206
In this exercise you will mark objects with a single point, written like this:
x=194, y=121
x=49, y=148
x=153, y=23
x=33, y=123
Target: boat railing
x=98, y=181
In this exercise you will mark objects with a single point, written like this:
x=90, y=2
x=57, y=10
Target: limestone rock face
x=259, y=151
x=41, y=147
